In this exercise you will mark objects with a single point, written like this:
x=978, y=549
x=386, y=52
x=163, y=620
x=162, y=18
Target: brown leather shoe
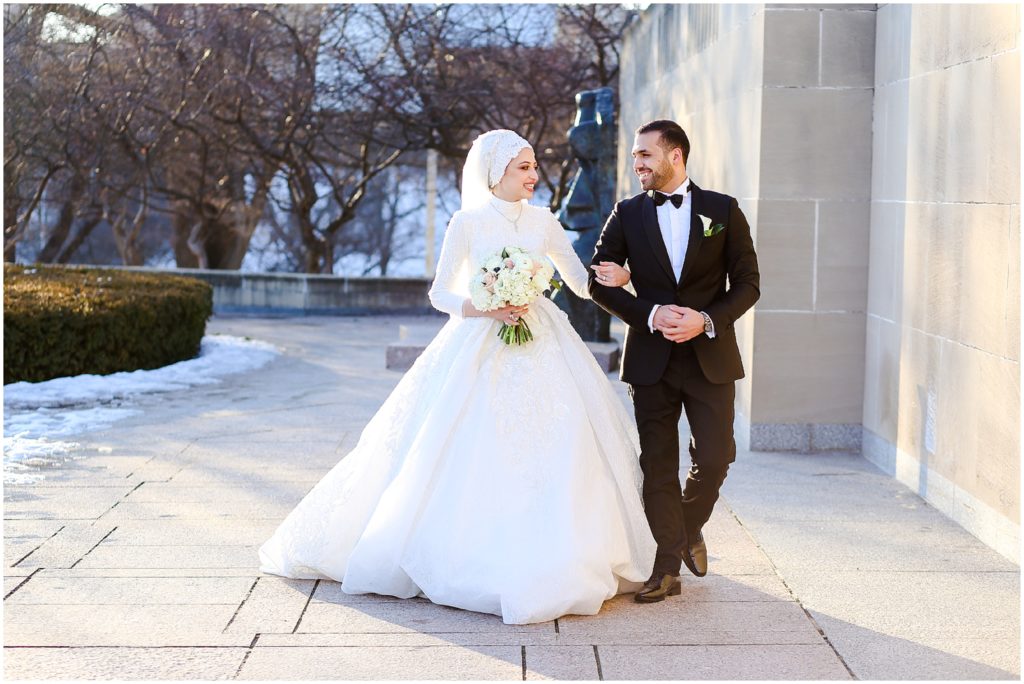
x=698, y=556
x=657, y=588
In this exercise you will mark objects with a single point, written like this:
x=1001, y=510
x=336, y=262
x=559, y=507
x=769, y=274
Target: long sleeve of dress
x=447, y=292
x=561, y=253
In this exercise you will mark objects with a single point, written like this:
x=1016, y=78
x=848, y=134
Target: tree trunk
x=59, y=234
x=84, y=230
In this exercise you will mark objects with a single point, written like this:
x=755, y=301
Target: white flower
x=706, y=220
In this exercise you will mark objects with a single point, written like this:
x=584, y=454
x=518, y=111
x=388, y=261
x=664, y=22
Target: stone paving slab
x=789, y=662
x=207, y=556
x=80, y=503
x=122, y=663
x=941, y=601
x=835, y=488
x=11, y=583
x=200, y=475
x=925, y=654
x=132, y=590
x=561, y=662
x=623, y=621
x=286, y=493
x=897, y=544
x=129, y=510
x=276, y=604
x=387, y=639
x=67, y=546
x=118, y=624
x=176, y=532
x=22, y=537
x=249, y=572
x=396, y=662
x=418, y=615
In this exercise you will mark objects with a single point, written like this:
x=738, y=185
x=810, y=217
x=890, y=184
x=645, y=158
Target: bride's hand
x=610, y=274
x=508, y=315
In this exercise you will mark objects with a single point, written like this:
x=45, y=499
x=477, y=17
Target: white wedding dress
x=494, y=478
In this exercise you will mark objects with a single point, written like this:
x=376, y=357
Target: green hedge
x=61, y=321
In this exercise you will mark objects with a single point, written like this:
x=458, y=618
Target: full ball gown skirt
x=494, y=478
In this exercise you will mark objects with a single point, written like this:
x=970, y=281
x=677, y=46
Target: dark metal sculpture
x=590, y=200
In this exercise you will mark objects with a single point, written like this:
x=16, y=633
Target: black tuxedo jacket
x=632, y=233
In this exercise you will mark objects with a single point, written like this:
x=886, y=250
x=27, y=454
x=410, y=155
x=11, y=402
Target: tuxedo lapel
x=649, y=219
x=696, y=231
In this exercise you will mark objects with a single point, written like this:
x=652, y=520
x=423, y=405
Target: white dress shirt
x=675, y=232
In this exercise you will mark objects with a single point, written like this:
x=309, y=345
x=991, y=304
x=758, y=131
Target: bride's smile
x=520, y=179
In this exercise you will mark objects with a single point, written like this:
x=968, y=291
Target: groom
x=682, y=243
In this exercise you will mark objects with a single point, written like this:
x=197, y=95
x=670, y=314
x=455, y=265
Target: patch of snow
x=37, y=414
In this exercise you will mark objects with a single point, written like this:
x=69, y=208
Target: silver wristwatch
x=708, y=327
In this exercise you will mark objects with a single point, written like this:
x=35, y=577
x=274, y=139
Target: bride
x=496, y=478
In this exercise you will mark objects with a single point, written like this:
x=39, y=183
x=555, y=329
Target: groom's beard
x=660, y=175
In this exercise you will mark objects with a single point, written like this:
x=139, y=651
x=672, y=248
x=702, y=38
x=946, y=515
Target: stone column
x=813, y=227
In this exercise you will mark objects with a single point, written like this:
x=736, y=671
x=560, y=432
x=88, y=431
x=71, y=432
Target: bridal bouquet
x=511, y=277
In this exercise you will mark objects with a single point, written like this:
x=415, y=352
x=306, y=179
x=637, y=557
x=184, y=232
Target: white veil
x=485, y=164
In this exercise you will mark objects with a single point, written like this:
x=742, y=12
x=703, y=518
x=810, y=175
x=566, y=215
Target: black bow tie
x=660, y=198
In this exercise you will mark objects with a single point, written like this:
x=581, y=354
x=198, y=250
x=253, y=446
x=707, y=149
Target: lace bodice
x=474, y=234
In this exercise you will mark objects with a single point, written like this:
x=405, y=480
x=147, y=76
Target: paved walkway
x=139, y=560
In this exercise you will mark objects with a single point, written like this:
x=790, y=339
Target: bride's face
x=520, y=179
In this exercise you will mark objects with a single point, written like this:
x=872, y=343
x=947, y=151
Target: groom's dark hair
x=672, y=135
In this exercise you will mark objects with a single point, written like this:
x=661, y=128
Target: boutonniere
x=710, y=230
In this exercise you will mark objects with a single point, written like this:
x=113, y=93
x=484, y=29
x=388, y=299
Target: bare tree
x=215, y=118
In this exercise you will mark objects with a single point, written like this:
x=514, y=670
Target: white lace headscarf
x=486, y=163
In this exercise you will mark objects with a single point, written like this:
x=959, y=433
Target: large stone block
x=885, y=259
x=987, y=279
x=810, y=368
x=978, y=412
x=785, y=252
x=848, y=48
x=844, y=232
x=969, y=92
x=890, y=142
x=1012, y=314
x=791, y=41
x=814, y=144
x=882, y=377
x=944, y=35
x=892, y=43
x=1003, y=129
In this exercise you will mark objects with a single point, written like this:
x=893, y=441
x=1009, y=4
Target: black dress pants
x=676, y=514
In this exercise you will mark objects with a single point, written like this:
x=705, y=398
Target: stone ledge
x=304, y=293
x=401, y=355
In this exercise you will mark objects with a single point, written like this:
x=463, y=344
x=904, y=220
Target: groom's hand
x=667, y=316
x=681, y=323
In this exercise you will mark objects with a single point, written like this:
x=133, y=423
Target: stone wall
x=942, y=382
x=876, y=152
